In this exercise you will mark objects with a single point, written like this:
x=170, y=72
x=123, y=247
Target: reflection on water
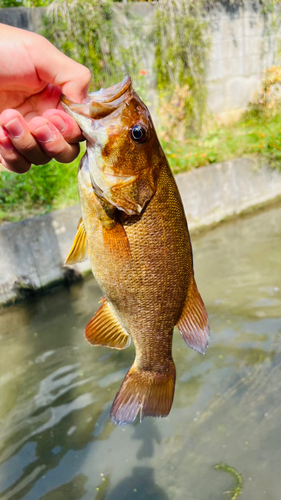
x=56, y=438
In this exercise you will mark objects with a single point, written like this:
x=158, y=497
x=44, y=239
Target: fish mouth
x=98, y=104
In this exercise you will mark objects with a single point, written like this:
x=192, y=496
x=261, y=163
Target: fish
x=134, y=231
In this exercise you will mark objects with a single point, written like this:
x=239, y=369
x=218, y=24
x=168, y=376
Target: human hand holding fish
x=134, y=231
x=33, y=125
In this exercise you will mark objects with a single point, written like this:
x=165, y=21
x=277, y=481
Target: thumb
x=58, y=69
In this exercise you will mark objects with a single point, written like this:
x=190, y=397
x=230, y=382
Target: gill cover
x=120, y=162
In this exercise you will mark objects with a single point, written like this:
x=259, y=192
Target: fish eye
x=138, y=133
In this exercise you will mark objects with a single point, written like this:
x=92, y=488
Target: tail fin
x=149, y=392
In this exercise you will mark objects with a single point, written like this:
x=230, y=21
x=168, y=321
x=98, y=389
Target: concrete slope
x=33, y=251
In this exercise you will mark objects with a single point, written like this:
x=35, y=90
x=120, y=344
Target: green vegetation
x=24, y=3
x=182, y=48
x=111, y=42
x=257, y=133
x=40, y=190
x=100, y=34
x=238, y=489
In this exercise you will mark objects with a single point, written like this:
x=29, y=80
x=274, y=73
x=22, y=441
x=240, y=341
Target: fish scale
x=134, y=231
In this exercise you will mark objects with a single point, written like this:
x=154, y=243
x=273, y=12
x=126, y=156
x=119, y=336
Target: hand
x=33, y=126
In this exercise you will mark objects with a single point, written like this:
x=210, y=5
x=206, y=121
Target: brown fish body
x=143, y=263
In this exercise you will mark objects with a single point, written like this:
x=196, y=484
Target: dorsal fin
x=78, y=252
x=193, y=323
x=105, y=329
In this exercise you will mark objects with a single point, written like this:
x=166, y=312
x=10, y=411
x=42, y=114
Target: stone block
x=16, y=255
x=22, y=17
x=215, y=31
x=252, y=65
x=252, y=8
x=216, y=97
x=239, y=91
x=45, y=249
x=232, y=48
x=216, y=51
x=253, y=26
x=225, y=189
x=253, y=46
x=231, y=29
x=30, y=256
x=232, y=67
x=214, y=71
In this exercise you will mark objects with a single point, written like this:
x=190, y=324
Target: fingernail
x=58, y=122
x=43, y=134
x=5, y=142
x=14, y=128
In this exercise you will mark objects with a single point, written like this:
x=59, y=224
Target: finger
x=18, y=132
x=10, y=157
x=60, y=70
x=51, y=140
x=65, y=124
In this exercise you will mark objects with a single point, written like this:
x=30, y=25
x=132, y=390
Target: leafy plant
x=257, y=134
x=172, y=113
x=40, y=190
x=24, y=3
x=268, y=97
x=182, y=48
x=100, y=34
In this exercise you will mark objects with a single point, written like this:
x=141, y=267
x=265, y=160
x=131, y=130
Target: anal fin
x=105, y=329
x=78, y=252
x=193, y=323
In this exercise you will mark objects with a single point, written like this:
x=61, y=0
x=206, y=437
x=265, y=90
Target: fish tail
x=149, y=392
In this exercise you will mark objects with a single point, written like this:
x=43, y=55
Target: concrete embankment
x=33, y=251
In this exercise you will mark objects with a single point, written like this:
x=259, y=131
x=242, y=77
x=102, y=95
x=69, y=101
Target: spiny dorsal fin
x=193, y=323
x=105, y=329
x=78, y=252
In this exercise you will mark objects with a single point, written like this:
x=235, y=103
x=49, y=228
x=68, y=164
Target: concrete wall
x=244, y=44
x=242, y=47
x=33, y=251
x=22, y=17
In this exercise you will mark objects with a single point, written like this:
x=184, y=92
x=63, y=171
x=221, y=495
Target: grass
x=54, y=185
x=41, y=190
x=255, y=134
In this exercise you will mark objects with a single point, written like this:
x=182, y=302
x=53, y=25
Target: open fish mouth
x=98, y=104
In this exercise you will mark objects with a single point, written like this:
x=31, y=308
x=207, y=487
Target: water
x=56, y=439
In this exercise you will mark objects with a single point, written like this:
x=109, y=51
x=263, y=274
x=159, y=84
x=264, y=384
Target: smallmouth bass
x=134, y=231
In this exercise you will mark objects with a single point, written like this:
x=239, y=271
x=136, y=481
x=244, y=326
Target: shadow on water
x=149, y=435
x=140, y=485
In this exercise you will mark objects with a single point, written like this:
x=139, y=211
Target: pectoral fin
x=105, y=329
x=193, y=323
x=116, y=240
x=78, y=252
